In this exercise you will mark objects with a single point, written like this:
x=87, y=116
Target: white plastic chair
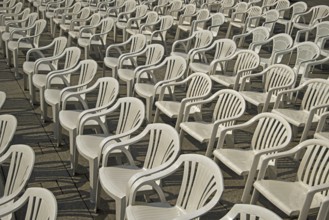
x=25, y=22
x=65, y=15
x=164, y=23
x=175, y=67
x=21, y=165
x=153, y=55
x=137, y=43
x=198, y=40
x=3, y=97
x=188, y=9
x=200, y=15
x=279, y=42
x=71, y=56
x=245, y=61
x=246, y=211
x=236, y=13
x=8, y=126
x=229, y=106
x=258, y=35
x=9, y=21
x=99, y=38
x=267, y=20
x=40, y=202
x=223, y=49
x=134, y=16
x=91, y=146
x=272, y=134
x=306, y=52
x=191, y=202
x=321, y=32
x=76, y=27
x=80, y=17
x=13, y=15
x=198, y=88
x=277, y=78
x=294, y=9
x=308, y=189
x=241, y=19
x=149, y=19
x=163, y=147
x=30, y=40
x=52, y=8
x=317, y=14
x=42, y=64
x=86, y=70
x=107, y=89
x=314, y=102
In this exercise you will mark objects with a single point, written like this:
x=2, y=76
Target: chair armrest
x=322, y=122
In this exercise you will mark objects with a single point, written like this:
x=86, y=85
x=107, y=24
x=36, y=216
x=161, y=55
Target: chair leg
x=254, y=197
x=129, y=88
x=157, y=114
x=86, y=52
x=15, y=57
x=120, y=208
x=93, y=177
x=56, y=123
x=43, y=105
x=73, y=150
x=149, y=109
x=31, y=89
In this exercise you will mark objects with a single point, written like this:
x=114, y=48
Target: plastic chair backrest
x=230, y=104
x=259, y=34
x=216, y=20
x=199, y=85
x=202, y=38
x=132, y=112
x=59, y=47
x=153, y=53
x=88, y=70
x=247, y=211
x=278, y=75
x=224, y=48
x=271, y=131
x=138, y=42
x=281, y=42
x=246, y=59
x=40, y=204
x=40, y=26
x=306, y=51
x=282, y=4
x=22, y=160
x=202, y=15
x=317, y=93
x=107, y=25
x=8, y=125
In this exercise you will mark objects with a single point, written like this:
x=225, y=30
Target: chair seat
x=256, y=98
x=136, y=31
x=126, y=74
x=201, y=131
x=50, y=14
x=171, y=108
x=88, y=145
x=66, y=27
x=13, y=45
x=287, y=196
x=52, y=96
x=237, y=24
x=159, y=211
x=322, y=135
x=181, y=54
x=114, y=179
x=184, y=27
x=283, y=21
x=85, y=42
x=75, y=34
x=69, y=119
x=238, y=160
x=145, y=90
x=301, y=25
x=6, y=35
x=227, y=81
x=28, y=67
x=295, y=117
x=202, y=67
x=40, y=80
